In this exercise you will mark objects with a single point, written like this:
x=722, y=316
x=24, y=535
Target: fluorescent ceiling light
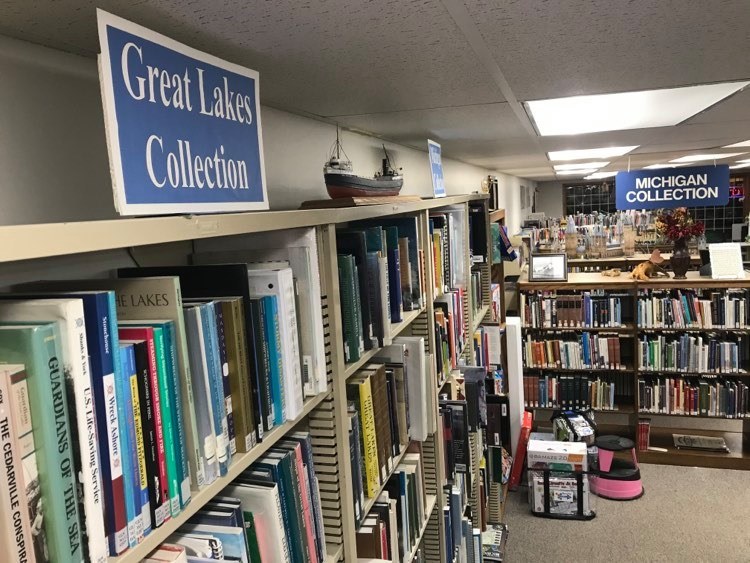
x=626, y=110
x=580, y=165
x=738, y=145
x=743, y=160
x=668, y=165
x=697, y=157
x=584, y=172
x=744, y=165
x=600, y=175
x=580, y=154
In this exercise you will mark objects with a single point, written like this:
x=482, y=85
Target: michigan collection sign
x=183, y=127
x=694, y=186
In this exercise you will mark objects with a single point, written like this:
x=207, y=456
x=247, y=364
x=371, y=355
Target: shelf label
x=183, y=127
x=695, y=186
x=436, y=168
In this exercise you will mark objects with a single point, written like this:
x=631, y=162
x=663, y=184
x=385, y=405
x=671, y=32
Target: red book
x=147, y=335
x=519, y=461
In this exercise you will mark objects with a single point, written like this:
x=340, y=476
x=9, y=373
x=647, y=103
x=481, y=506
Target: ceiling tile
x=324, y=57
x=550, y=49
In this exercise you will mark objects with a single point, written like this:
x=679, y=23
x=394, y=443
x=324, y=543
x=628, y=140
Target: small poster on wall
x=436, y=168
x=183, y=127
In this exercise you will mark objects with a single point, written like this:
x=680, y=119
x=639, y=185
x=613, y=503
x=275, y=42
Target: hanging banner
x=436, y=168
x=696, y=186
x=183, y=127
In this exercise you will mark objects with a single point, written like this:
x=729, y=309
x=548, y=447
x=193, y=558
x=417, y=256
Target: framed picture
x=548, y=267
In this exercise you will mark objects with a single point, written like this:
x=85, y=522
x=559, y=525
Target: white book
x=265, y=504
x=68, y=314
x=299, y=247
x=280, y=282
x=418, y=375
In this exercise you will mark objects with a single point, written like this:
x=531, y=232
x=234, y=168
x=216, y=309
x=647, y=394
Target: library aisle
x=687, y=514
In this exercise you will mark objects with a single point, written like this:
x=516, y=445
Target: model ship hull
x=349, y=185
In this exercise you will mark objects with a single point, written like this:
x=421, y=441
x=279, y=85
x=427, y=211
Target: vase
x=680, y=259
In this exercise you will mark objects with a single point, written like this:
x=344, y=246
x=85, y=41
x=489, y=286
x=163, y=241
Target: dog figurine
x=650, y=269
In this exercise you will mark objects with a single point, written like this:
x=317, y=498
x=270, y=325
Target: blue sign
x=695, y=186
x=183, y=127
x=436, y=168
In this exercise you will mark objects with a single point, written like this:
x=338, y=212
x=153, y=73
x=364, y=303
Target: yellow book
x=359, y=390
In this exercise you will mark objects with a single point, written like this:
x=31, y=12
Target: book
x=15, y=530
x=359, y=394
x=171, y=408
x=263, y=502
x=38, y=348
x=143, y=298
x=395, y=295
x=305, y=441
x=69, y=315
x=207, y=456
x=271, y=335
x=224, y=373
x=353, y=242
x=231, y=539
x=299, y=247
x=351, y=321
x=156, y=369
x=135, y=431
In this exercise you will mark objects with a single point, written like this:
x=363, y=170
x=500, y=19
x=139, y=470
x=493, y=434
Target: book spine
x=178, y=417
x=273, y=341
x=15, y=529
x=166, y=402
x=304, y=496
x=163, y=509
x=265, y=399
x=136, y=433
x=239, y=377
x=50, y=409
x=370, y=452
x=131, y=479
x=86, y=449
x=216, y=387
x=226, y=386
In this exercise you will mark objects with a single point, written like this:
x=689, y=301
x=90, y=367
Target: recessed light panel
x=738, y=145
x=580, y=165
x=626, y=110
x=713, y=156
x=667, y=165
x=581, y=154
x=600, y=175
x=744, y=165
x=584, y=172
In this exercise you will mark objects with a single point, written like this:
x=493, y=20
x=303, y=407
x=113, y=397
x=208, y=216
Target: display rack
x=737, y=431
x=22, y=247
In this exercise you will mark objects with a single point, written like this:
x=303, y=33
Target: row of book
x=392, y=529
x=477, y=298
x=685, y=308
x=496, y=304
x=583, y=351
x=168, y=373
x=548, y=309
x=451, y=320
x=447, y=233
x=570, y=391
x=270, y=512
x=692, y=354
x=695, y=397
x=381, y=275
x=487, y=343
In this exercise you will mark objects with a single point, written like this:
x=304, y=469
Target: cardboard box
x=558, y=456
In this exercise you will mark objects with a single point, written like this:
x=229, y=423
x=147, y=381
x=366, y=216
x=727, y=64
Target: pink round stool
x=614, y=478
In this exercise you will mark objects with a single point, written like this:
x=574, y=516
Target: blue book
x=130, y=387
x=211, y=344
x=273, y=338
x=394, y=275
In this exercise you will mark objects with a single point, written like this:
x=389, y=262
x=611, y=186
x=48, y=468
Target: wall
x=54, y=161
x=511, y=199
x=549, y=198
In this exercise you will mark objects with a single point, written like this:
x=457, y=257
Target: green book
x=251, y=533
x=38, y=347
x=347, y=289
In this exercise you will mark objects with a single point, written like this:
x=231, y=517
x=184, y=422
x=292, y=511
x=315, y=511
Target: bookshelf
x=632, y=330
x=29, y=251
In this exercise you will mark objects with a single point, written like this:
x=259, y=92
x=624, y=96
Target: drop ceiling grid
x=324, y=57
x=550, y=49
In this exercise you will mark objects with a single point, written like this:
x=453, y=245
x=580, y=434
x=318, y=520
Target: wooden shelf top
x=595, y=280
x=637, y=258
x=497, y=215
x=738, y=458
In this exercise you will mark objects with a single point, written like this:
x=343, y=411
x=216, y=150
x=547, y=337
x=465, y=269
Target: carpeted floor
x=688, y=514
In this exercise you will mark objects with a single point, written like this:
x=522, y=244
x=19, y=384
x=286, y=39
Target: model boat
x=341, y=181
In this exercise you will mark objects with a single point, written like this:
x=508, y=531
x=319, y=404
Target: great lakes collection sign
x=183, y=127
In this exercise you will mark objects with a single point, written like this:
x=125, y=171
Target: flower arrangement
x=676, y=224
